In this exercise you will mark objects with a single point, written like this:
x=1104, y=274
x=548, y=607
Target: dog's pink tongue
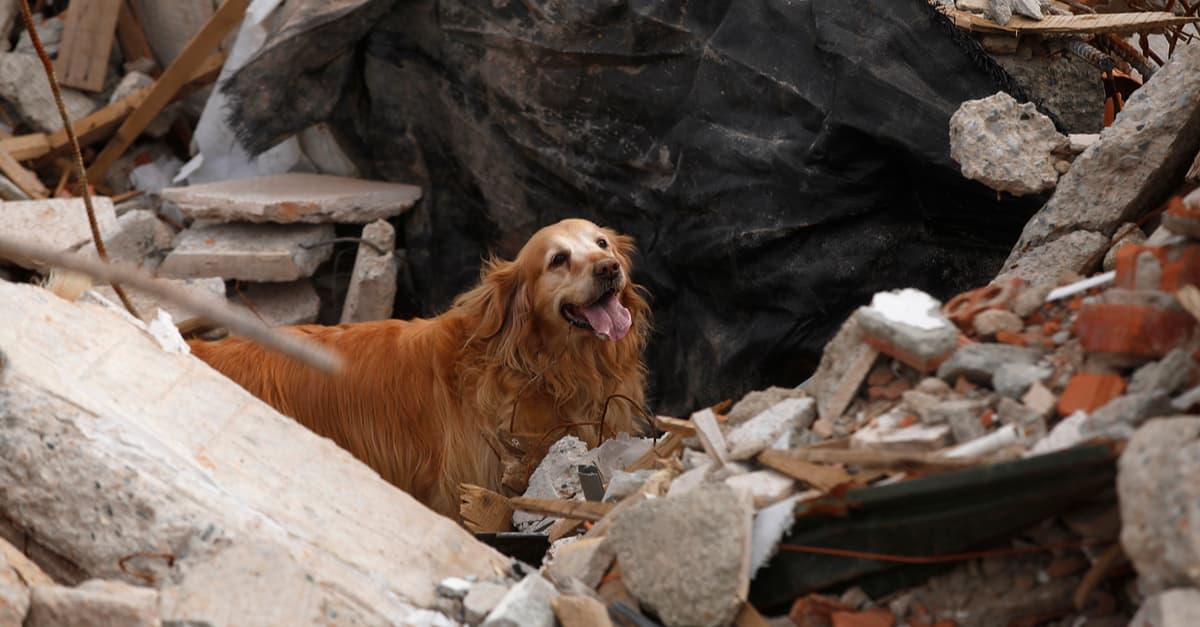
x=609, y=318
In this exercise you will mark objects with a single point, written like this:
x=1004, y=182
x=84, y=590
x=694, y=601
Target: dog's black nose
x=607, y=269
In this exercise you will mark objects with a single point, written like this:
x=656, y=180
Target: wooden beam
x=579, y=510
x=87, y=41
x=823, y=478
x=26, y=147
x=24, y=179
x=228, y=16
x=483, y=511
x=131, y=36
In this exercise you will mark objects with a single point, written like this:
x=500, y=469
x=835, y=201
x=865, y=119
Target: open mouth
x=605, y=316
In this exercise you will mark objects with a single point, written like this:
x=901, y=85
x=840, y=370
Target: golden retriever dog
x=537, y=349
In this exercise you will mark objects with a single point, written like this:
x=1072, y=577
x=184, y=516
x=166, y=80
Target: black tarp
x=778, y=161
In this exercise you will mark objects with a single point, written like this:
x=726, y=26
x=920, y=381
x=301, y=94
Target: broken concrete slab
x=841, y=355
x=23, y=85
x=1005, y=145
x=555, y=477
x=249, y=252
x=751, y=437
x=1013, y=380
x=139, y=239
x=93, y=603
x=59, y=224
x=1076, y=252
x=1179, y=607
x=1122, y=415
x=909, y=325
x=758, y=401
x=163, y=444
x=980, y=362
x=527, y=604
x=294, y=197
x=481, y=600
x=687, y=557
x=1133, y=166
x=212, y=288
x=764, y=487
x=585, y=559
x=1158, y=496
x=372, y=291
x=279, y=304
x=893, y=431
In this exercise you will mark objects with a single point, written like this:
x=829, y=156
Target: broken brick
x=1182, y=217
x=1132, y=329
x=1089, y=391
x=878, y=617
x=963, y=308
x=891, y=391
x=1166, y=268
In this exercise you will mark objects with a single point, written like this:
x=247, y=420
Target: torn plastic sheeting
x=930, y=516
x=778, y=162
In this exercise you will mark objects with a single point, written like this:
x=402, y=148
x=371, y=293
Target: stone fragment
x=59, y=224
x=1064, y=86
x=690, y=479
x=893, y=431
x=1039, y=399
x=1006, y=145
x=758, y=401
x=1031, y=298
x=586, y=559
x=988, y=323
x=294, y=197
x=481, y=600
x=623, y=484
x=112, y=446
x=556, y=477
x=279, y=304
x=136, y=81
x=1029, y=8
x=1013, y=380
x=687, y=557
x=963, y=416
x=1132, y=167
x=249, y=252
x=49, y=31
x=763, y=486
x=1127, y=234
x=1160, y=503
x=908, y=324
x=372, y=291
x=1000, y=11
x=1046, y=263
x=1067, y=433
x=1179, y=607
x=454, y=587
x=93, y=603
x=212, y=289
x=979, y=362
x=1120, y=416
x=751, y=437
x=580, y=611
x=23, y=85
x=527, y=604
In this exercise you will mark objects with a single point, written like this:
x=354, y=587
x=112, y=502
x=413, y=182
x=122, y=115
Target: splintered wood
x=86, y=41
x=1089, y=24
x=823, y=478
x=484, y=511
x=579, y=510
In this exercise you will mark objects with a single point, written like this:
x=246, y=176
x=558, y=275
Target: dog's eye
x=558, y=260
x=602, y=243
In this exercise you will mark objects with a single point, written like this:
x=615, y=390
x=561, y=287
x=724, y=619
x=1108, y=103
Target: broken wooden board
x=664, y=448
x=179, y=460
x=711, y=438
x=24, y=179
x=823, y=478
x=484, y=511
x=864, y=358
x=87, y=40
x=675, y=425
x=872, y=459
x=203, y=43
x=580, y=510
x=1090, y=24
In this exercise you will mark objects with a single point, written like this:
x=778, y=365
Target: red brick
x=891, y=349
x=1008, y=337
x=878, y=617
x=1180, y=266
x=1089, y=391
x=1135, y=330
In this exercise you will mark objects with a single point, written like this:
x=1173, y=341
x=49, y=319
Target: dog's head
x=570, y=280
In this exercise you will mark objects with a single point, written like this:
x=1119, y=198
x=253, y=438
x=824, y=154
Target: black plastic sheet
x=778, y=161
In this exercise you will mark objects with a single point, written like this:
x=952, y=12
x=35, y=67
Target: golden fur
x=423, y=401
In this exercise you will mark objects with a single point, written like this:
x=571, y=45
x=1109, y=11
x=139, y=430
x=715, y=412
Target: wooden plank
x=99, y=125
x=823, y=478
x=863, y=358
x=667, y=447
x=1087, y=24
x=579, y=510
x=87, y=41
x=482, y=510
x=131, y=36
x=710, y=436
x=24, y=179
x=228, y=16
x=675, y=425
x=876, y=459
x=26, y=147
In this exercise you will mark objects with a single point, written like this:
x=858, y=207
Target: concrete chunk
x=527, y=604
x=212, y=288
x=586, y=559
x=1174, y=608
x=59, y=224
x=751, y=437
x=890, y=432
x=1005, y=145
x=94, y=603
x=294, y=197
x=372, y=291
x=250, y=252
x=23, y=85
x=280, y=304
x=580, y=611
x=980, y=362
x=481, y=600
x=687, y=557
x=908, y=324
x=113, y=447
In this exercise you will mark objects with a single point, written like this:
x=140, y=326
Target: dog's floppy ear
x=500, y=298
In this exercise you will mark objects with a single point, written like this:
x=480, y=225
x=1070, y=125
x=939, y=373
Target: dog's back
x=393, y=405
